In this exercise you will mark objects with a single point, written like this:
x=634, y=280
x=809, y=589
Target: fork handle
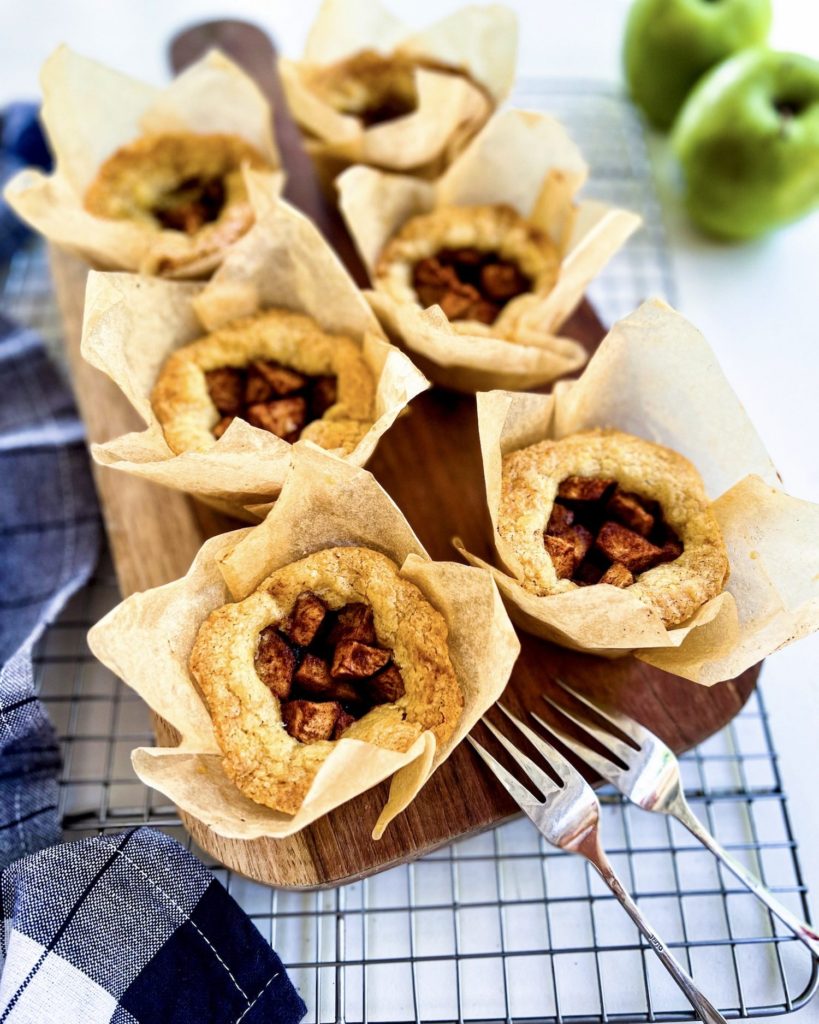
x=801, y=929
x=706, y=1011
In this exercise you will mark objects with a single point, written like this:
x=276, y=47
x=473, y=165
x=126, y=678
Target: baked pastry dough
x=261, y=757
x=604, y=506
x=478, y=263
x=371, y=86
x=272, y=343
x=187, y=186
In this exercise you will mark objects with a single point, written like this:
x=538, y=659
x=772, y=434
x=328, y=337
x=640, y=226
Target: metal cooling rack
x=498, y=927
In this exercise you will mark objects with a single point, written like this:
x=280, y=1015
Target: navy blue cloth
x=49, y=539
x=20, y=134
x=131, y=929
x=21, y=145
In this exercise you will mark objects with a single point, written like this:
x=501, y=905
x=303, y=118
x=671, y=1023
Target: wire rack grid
x=498, y=927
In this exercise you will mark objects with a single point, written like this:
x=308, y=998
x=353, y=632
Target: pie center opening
x=271, y=396
x=326, y=667
x=376, y=89
x=192, y=204
x=600, y=533
x=392, y=103
x=468, y=283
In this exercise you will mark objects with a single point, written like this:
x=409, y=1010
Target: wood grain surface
x=429, y=463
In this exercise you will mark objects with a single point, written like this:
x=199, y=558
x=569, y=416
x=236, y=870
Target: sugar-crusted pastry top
x=531, y=478
x=182, y=401
x=372, y=86
x=264, y=761
x=496, y=230
x=187, y=187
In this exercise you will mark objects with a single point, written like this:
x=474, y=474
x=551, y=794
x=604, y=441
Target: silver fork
x=568, y=817
x=651, y=779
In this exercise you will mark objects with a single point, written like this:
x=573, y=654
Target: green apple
x=669, y=44
x=747, y=139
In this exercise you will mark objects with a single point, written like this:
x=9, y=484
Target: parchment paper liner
x=89, y=111
x=655, y=376
x=325, y=502
x=527, y=161
x=132, y=324
x=482, y=41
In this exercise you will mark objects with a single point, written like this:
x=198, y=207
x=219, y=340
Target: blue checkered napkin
x=49, y=534
x=131, y=928
x=48, y=531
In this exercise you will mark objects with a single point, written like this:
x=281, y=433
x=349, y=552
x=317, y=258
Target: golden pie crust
x=530, y=478
x=367, y=81
x=260, y=757
x=135, y=180
x=183, y=406
x=489, y=228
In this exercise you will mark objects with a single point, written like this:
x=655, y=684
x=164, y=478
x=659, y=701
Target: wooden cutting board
x=429, y=463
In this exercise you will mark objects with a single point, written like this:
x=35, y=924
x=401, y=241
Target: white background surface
x=756, y=303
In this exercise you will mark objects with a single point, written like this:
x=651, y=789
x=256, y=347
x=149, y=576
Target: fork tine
x=544, y=782
x=567, y=772
x=620, y=721
x=617, y=746
x=519, y=793
x=602, y=765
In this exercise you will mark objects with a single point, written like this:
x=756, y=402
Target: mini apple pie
x=371, y=91
x=602, y=506
x=472, y=261
x=336, y=645
x=276, y=370
x=187, y=185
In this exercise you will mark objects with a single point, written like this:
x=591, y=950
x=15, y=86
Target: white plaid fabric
x=131, y=928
